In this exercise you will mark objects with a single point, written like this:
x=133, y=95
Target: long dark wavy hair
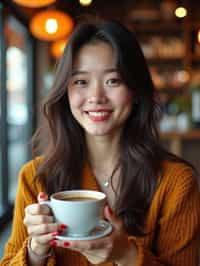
x=61, y=140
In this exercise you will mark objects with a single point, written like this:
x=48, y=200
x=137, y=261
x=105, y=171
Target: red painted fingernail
x=42, y=195
x=63, y=226
x=53, y=243
x=56, y=233
x=66, y=244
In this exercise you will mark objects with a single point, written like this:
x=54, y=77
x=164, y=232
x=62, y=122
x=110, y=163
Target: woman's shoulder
x=28, y=185
x=173, y=165
x=28, y=171
x=32, y=165
x=178, y=174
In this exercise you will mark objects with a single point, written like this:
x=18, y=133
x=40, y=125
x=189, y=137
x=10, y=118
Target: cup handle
x=46, y=202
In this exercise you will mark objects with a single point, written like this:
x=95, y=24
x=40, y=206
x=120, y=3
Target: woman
x=101, y=125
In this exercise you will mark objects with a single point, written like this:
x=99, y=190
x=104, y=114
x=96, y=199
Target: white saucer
x=103, y=229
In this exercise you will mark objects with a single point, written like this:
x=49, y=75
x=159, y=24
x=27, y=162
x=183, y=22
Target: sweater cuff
x=49, y=258
x=37, y=258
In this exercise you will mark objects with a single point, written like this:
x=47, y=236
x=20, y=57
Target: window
x=16, y=78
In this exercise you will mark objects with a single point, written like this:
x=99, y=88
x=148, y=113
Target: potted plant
x=180, y=109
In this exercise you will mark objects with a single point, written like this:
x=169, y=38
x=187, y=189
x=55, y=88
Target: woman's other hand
x=41, y=226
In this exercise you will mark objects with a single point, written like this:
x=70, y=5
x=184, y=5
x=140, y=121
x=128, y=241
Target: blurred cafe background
x=33, y=34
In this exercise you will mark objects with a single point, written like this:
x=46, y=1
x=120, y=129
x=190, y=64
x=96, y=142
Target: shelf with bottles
x=173, y=60
x=161, y=39
x=181, y=112
x=154, y=17
x=158, y=27
x=170, y=46
x=169, y=78
x=163, y=49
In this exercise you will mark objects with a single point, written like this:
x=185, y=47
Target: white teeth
x=98, y=114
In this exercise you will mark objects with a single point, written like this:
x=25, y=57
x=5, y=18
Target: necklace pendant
x=106, y=184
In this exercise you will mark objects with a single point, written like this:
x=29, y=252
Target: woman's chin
x=98, y=133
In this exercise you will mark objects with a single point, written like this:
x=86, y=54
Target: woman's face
x=99, y=99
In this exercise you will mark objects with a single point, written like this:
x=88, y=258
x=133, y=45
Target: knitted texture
x=173, y=221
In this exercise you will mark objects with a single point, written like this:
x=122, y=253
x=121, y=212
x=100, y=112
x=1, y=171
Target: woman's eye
x=80, y=82
x=113, y=81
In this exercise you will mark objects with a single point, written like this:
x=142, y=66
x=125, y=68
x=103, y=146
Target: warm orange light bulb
x=51, y=25
x=57, y=48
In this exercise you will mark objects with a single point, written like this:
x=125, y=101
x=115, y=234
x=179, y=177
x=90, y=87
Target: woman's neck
x=103, y=152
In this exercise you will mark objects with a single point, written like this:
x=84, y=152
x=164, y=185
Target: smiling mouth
x=99, y=116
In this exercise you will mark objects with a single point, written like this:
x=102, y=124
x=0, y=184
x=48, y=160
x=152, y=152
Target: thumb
x=115, y=220
x=42, y=196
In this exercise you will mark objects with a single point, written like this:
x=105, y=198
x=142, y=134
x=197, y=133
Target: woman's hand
x=41, y=226
x=112, y=248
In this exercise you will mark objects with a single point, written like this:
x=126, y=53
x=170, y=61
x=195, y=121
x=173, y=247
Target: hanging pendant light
x=57, y=48
x=34, y=3
x=50, y=25
x=85, y=2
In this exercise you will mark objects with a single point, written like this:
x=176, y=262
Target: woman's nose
x=97, y=100
x=97, y=94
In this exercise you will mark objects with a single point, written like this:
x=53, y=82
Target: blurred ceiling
x=121, y=10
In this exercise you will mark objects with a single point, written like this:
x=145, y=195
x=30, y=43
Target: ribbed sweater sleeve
x=178, y=228
x=16, y=247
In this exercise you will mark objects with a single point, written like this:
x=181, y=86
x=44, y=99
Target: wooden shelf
x=171, y=90
x=158, y=28
x=165, y=60
x=176, y=138
x=195, y=58
x=188, y=135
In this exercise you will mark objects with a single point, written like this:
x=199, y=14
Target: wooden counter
x=175, y=139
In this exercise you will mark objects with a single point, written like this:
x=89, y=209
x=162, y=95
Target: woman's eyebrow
x=78, y=72
x=108, y=70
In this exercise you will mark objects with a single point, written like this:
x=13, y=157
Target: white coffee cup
x=80, y=210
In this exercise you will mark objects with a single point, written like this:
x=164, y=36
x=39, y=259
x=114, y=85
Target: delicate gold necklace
x=108, y=181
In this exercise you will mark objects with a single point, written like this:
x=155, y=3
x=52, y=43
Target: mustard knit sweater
x=173, y=220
